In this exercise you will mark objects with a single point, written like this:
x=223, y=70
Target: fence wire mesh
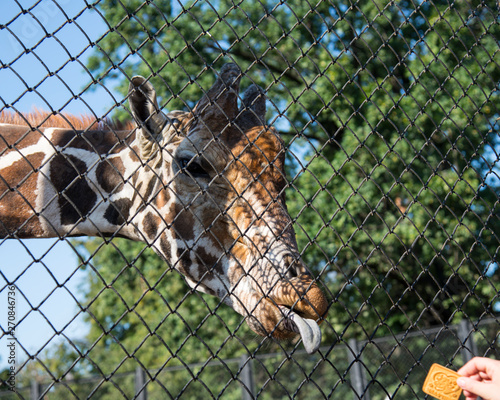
x=387, y=114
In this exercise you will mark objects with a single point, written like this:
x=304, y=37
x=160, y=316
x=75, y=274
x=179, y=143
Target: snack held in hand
x=441, y=383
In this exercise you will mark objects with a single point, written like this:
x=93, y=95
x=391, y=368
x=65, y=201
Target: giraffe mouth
x=295, y=306
x=307, y=328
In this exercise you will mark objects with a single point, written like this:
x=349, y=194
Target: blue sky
x=46, y=270
x=45, y=77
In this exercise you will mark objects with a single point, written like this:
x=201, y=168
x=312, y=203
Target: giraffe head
x=217, y=210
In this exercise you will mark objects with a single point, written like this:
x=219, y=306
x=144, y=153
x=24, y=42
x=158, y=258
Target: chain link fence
x=389, y=115
x=347, y=372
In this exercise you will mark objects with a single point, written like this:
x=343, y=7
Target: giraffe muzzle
x=303, y=306
x=294, y=306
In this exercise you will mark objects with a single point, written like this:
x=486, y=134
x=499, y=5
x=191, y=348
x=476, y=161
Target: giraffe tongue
x=308, y=329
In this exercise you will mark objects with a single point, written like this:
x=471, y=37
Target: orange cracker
x=441, y=383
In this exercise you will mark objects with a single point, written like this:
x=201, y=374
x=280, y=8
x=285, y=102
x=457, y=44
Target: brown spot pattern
x=151, y=223
x=100, y=142
x=110, y=174
x=75, y=197
x=118, y=212
x=183, y=222
x=18, y=188
x=17, y=137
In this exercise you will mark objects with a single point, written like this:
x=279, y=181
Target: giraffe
x=204, y=188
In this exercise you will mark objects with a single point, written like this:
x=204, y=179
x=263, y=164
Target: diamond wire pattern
x=389, y=111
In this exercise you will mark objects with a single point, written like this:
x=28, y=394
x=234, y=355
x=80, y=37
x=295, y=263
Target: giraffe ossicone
x=204, y=189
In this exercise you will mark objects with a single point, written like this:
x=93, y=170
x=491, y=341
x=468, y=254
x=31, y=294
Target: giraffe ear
x=150, y=120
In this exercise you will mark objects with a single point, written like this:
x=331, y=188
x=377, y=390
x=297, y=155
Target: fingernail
x=461, y=382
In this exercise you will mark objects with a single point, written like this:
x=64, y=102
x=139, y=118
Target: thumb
x=484, y=389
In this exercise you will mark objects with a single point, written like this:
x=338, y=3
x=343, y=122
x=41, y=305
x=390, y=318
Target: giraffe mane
x=40, y=118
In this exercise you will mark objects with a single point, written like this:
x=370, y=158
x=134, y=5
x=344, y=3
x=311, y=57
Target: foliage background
x=390, y=113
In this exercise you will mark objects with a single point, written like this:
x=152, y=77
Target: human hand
x=480, y=377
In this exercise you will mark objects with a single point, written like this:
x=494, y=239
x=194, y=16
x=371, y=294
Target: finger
x=486, y=390
x=483, y=376
x=476, y=365
x=469, y=369
x=469, y=395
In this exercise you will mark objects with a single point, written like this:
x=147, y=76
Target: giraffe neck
x=57, y=182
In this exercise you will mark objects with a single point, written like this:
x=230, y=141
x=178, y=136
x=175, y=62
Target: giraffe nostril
x=292, y=272
x=292, y=266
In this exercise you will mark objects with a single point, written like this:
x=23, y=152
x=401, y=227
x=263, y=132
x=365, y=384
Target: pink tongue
x=308, y=329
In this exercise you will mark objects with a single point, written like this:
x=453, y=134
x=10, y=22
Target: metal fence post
x=247, y=378
x=468, y=347
x=357, y=373
x=141, y=391
x=35, y=390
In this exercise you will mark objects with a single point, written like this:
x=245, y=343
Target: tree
x=142, y=312
x=402, y=211
x=389, y=110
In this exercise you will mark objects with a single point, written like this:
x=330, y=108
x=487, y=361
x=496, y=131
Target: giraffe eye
x=193, y=168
